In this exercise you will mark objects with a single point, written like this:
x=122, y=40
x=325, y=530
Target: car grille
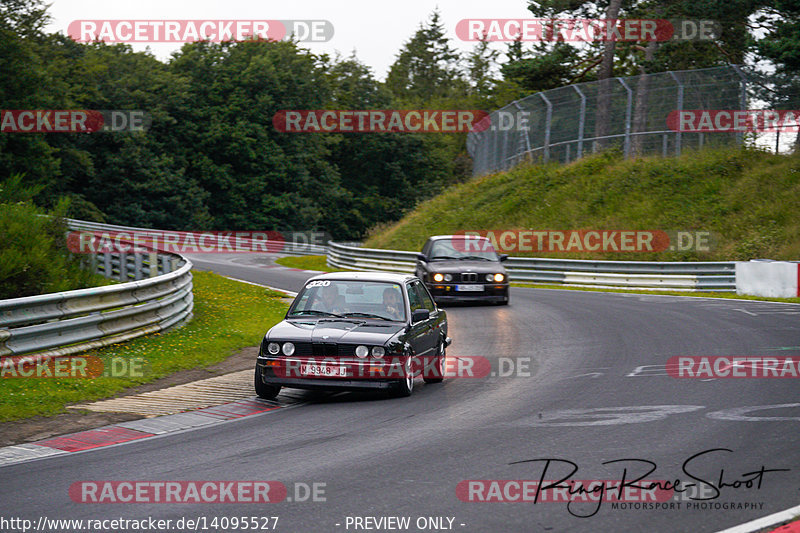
x=303, y=349
x=470, y=277
x=324, y=349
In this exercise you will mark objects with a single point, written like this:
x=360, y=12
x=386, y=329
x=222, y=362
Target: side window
x=413, y=298
x=425, y=297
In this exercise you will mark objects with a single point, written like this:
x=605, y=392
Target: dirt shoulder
x=44, y=427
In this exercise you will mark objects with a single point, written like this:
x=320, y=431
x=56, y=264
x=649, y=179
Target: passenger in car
x=331, y=301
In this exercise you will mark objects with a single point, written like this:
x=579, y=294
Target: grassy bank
x=308, y=262
x=747, y=199
x=228, y=316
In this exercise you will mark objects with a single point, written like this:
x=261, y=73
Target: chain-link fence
x=630, y=114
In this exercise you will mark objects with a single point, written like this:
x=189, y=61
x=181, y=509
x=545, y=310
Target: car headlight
x=499, y=277
x=378, y=352
x=362, y=351
x=288, y=348
x=438, y=277
x=273, y=348
x=448, y=277
x=489, y=277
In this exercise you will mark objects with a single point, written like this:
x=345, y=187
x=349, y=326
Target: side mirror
x=422, y=257
x=503, y=257
x=419, y=315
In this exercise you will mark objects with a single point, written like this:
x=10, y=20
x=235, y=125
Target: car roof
x=388, y=277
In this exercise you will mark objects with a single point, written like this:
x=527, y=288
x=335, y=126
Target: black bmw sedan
x=463, y=268
x=355, y=330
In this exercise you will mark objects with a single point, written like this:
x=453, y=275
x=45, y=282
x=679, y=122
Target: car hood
x=330, y=330
x=481, y=267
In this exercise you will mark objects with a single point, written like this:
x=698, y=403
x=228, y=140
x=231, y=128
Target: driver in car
x=393, y=303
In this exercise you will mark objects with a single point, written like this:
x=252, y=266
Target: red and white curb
x=771, y=520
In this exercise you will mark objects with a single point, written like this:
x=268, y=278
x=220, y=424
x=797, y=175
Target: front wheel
x=406, y=385
x=268, y=392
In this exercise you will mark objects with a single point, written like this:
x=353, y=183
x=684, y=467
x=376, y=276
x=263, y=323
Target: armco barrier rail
x=63, y=323
x=697, y=276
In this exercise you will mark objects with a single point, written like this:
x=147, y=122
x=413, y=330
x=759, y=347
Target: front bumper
x=446, y=292
x=286, y=372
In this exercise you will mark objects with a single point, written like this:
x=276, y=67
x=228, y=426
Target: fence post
x=548, y=120
x=581, y=121
x=524, y=133
x=679, y=108
x=627, y=146
x=742, y=100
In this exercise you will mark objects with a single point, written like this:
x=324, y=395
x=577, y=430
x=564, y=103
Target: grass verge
x=308, y=262
x=228, y=316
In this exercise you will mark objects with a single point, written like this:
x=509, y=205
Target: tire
x=405, y=387
x=440, y=365
x=267, y=392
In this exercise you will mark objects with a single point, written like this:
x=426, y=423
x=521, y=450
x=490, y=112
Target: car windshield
x=477, y=249
x=368, y=300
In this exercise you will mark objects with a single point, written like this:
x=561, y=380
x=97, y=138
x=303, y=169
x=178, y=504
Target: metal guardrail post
x=547, y=123
x=137, y=267
x=679, y=107
x=153, y=264
x=628, y=107
x=123, y=267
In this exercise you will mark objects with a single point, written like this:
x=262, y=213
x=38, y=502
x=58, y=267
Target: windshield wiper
x=315, y=312
x=442, y=257
x=369, y=315
x=462, y=258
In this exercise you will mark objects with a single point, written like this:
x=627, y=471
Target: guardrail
x=694, y=276
x=63, y=323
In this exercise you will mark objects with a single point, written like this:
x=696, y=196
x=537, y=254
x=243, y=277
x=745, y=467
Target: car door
x=428, y=334
x=417, y=334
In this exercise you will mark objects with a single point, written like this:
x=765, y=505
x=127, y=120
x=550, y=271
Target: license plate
x=323, y=370
x=469, y=288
